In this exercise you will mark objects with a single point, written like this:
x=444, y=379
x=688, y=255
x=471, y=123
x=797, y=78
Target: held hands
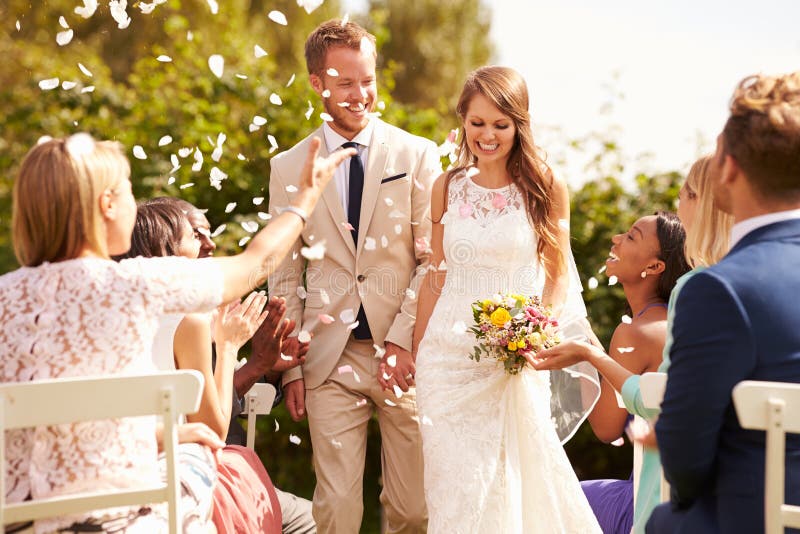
x=403, y=371
x=316, y=174
x=236, y=322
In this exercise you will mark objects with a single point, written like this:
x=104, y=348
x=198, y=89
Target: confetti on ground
x=278, y=17
x=592, y=283
x=138, y=152
x=303, y=336
x=217, y=65
x=294, y=439
x=315, y=252
x=627, y=320
x=64, y=38
x=164, y=59
x=612, y=280
x=259, y=52
x=324, y=318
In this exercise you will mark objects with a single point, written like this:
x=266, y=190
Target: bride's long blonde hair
x=506, y=89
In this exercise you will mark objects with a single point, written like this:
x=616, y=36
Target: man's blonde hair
x=56, y=208
x=707, y=241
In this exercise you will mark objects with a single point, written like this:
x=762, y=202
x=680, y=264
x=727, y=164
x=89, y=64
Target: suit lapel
x=331, y=198
x=376, y=164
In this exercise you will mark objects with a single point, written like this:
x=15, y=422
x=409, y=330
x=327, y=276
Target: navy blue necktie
x=354, y=191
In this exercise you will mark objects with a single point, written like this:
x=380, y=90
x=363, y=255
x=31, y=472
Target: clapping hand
x=292, y=350
x=316, y=174
x=401, y=373
x=236, y=322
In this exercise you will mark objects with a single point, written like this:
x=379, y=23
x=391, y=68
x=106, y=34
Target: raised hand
x=235, y=323
x=292, y=350
x=316, y=174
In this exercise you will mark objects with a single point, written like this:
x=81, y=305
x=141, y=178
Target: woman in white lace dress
x=72, y=311
x=494, y=460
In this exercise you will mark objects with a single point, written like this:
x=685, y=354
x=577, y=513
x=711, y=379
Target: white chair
x=71, y=400
x=652, y=386
x=257, y=401
x=774, y=407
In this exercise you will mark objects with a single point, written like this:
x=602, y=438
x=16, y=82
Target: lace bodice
x=83, y=317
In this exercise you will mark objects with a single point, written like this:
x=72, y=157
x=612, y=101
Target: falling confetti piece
x=397, y=391
x=324, y=116
x=612, y=280
x=388, y=402
x=240, y=76
x=327, y=94
x=410, y=293
x=369, y=243
x=187, y=186
x=88, y=89
x=244, y=240
x=303, y=337
x=18, y=25
x=250, y=226
x=185, y=151
x=230, y=207
x=63, y=22
x=63, y=38
x=601, y=270
x=427, y=420
x=291, y=81
x=381, y=105
x=241, y=157
x=563, y=223
x=68, y=85
x=258, y=120
x=259, y=52
x=119, y=14
x=624, y=350
x=219, y=230
x=459, y=327
x=216, y=177
x=379, y=351
x=323, y=296
x=627, y=320
x=398, y=229
x=347, y=226
x=315, y=252
x=619, y=442
x=352, y=326
x=254, y=127
x=301, y=292
x=277, y=425
x=391, y=361
x=388, y=201
x=164, y=59
x=264, y=216
x=294, y=439
x=274, y=98
x=87, y=10
x=422, y=245
x=257, y=201
x=164, y=141
x=324, y=318
x=345, y=369
x=332, y=72
x=361, y=402
x=286, y=358
x=214, y=6
x=291, y=189
x=309, y=5
x=345, y=19
x=171, y=180
x=278, y=17
x=592, y=283
x=273, y=143
x=347, y=316
x=138, y=152
x=217, y=65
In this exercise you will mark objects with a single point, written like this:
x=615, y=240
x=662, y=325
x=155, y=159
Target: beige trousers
x=338, y=413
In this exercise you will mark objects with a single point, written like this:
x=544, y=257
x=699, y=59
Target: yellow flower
x=535, y=339
x=500, y=317
x=486, y=304
x=521, y=344
x=512, y=346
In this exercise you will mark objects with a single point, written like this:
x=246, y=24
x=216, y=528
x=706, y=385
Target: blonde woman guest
x=72, y=311
x=494, y=461
x=707, y=231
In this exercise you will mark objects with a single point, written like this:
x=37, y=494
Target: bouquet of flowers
x=509, y=326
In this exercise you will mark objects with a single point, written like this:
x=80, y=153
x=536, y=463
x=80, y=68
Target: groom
x=359, y=300
x=737, y=321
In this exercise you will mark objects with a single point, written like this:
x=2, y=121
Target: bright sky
x=677, y=63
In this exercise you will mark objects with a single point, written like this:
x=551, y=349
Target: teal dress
x=649, y=492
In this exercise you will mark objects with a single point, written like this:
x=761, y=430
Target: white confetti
x=254, y=127
x=612, y=280
x=303, y=337
x=398, y=229
x=291, y=81
x=264, y=216
x=87, y=9
x=240, y=76
x=427, y=420
x=389, y=403
x=119, y=14
x=601, y=270
x=214, y=6
x=187, y=186
x=592, y=283
x=332, y=72
x=369, y=243
x=230, y=207
x=259, y=52
x=18, y=25
x=198, y=160
x=384, y=241
x=278, y=17
x=217, y=153
x=138, y=152
x=323, y=296
x=397, y=391
x=285, y=357
x=336, y=444
x=273, y=143
x=294, y=439
x=164, y=141
x=388, y=201
x=381, y=105
x=619, y=442
x=184, y=151
x=84, y=70
x=410, y=293
x=379, y=351
x=171, y=180
x=309, y=5
x=324, y=116
x=258, y=120
x=309, y=111
x=216, y=177
x=277, y=425
x=164, y=59
x=257, y=201
x=345, y=20
x=66, y=85
x=88, y=89
x=361, y=402
x=326, y=93
x=241, y=157
x=291, y=189
x=274, y=98
x=219, y=230
x=217, y=65
x=314, y=252
x=352, y=326
x=249, y=226
x=347, y=316
x=396, y=214
x=627, y=320
x=624, y=350
x=459, y=327
x=63, y=38
x=324, y=318
x=63, y=22
x=244, y=240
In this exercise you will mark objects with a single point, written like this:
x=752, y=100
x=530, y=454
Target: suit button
x=361, y=278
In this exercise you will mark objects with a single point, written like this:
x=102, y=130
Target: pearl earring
x=644, y=274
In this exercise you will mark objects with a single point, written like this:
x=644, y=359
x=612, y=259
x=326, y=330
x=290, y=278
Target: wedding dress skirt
x=494, y=460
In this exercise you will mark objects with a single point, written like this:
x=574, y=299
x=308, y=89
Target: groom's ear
x=316, y=84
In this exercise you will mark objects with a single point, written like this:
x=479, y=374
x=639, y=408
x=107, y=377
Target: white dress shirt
x=746, y=226
x=334, y=142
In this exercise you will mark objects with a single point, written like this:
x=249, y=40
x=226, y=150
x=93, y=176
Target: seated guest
x=647, y=260
x=264, y=364
x=71, y=311
x=735, y=321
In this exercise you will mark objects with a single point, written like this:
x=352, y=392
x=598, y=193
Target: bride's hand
x=316, y=174
x=562, y=355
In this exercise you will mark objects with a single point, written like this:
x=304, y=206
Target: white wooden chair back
x=652, y=386
x=72, y=400
x=774, y=407
x=257, y=401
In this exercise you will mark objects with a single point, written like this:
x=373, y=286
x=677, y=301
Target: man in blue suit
x=737, y=320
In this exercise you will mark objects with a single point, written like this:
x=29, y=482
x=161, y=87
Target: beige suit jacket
x=386, y=268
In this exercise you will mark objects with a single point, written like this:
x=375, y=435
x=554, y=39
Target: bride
x=492, y=442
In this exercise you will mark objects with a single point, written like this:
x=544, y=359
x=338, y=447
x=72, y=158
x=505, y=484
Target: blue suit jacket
x=738, y=320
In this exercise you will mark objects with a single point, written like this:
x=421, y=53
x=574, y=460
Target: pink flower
x=499, y=201
x=465, y=210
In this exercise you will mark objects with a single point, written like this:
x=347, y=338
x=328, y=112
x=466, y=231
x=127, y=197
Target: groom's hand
x=403, y=371
x=295, y=394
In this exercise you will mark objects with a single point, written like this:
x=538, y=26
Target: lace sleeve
x=177, y=285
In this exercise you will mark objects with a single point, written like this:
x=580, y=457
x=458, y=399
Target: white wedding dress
x=494, y=461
